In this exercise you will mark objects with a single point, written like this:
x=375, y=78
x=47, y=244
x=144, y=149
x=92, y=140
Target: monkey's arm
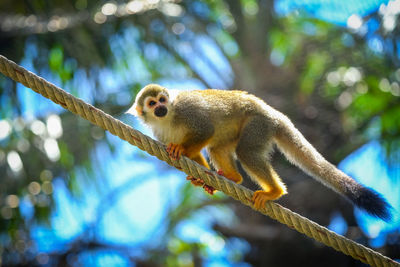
x=192, y=152
x=200, y=131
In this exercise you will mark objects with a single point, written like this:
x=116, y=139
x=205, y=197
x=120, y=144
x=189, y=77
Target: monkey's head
x=151, y=103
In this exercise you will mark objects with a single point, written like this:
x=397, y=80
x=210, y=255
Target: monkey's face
x=156, y=106
x=153, y=104
x=153, y=108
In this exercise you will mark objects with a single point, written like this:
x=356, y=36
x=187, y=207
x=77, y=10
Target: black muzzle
x=160, y=111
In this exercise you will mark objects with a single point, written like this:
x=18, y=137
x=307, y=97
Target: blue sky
x=335, y=11
x=368, y=166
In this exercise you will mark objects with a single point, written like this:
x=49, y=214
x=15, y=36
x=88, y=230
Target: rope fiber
x=155, y=148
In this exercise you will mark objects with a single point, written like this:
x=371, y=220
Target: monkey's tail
x=301, y=153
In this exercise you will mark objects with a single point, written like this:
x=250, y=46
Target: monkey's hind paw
x=209, y=189
x=261, y=197
x=175, y=151
x=221, y=172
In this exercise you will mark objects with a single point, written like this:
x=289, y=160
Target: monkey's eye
x=162, y=99
x=152, y=103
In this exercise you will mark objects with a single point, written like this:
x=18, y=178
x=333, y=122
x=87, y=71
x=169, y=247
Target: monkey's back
x=223, y=103
x=221, y=111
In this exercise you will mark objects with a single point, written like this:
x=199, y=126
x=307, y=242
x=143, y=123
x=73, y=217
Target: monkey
x=236, y=126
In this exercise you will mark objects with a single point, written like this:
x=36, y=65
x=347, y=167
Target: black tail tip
x=372, y=202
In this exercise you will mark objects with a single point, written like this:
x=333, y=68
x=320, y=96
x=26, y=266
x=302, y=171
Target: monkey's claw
x=175, y=151
x=200, y=182
x=221, y=172
x=209, y=189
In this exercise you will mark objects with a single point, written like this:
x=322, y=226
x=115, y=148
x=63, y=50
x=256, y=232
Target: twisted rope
x=155, y=148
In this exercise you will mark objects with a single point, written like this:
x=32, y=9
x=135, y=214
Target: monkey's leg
x=223, y=160
x=273, y=187
x=253, y=152
x=191, y=147
x=263, y=173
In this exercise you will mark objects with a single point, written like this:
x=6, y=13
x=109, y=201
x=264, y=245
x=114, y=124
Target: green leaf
x=56, y=58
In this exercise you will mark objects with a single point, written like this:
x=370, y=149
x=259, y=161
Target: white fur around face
x=163, y=128
x=166, y=132
x=132, y=110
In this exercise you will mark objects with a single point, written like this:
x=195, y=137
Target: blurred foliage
x=324, y=76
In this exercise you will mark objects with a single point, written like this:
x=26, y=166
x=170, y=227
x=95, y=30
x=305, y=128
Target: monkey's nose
x=160, y=111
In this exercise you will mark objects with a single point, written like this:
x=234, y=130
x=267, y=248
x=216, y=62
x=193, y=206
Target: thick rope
x=155, y=148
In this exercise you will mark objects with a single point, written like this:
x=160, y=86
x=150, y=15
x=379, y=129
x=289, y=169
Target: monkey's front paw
x=261, y=197
x=175, y=151
x=195, y=181
x=200, y=182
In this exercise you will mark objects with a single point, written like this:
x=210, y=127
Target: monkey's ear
x=135, y=110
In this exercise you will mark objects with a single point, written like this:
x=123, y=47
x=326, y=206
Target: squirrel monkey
x=235, y=125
